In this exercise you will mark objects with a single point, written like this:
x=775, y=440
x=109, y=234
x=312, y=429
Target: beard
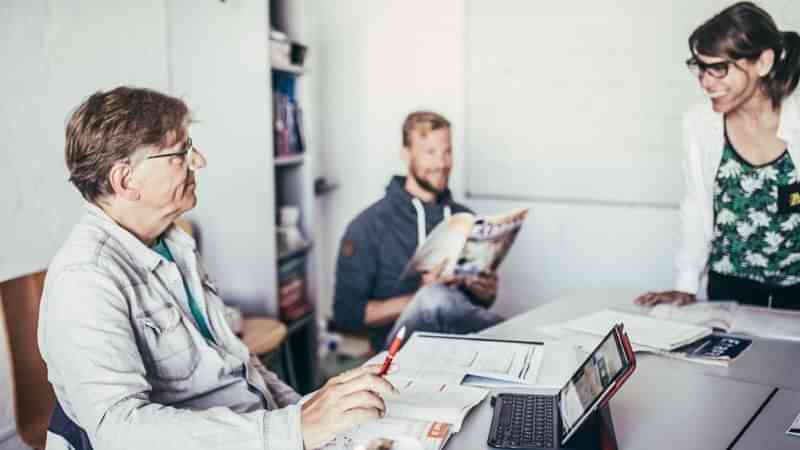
x=427, y=185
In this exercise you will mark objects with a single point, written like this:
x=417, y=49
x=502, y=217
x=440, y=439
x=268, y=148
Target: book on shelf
x=280, y=128
x=286, y=116
x=292, y=300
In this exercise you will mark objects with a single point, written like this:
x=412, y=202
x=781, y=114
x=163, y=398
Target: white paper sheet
x=468, y=355
x=642, y=330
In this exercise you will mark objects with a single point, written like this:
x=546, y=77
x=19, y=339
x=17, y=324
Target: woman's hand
x=345, y=401
x=677, y=297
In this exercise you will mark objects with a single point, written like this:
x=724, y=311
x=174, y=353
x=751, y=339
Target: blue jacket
x=375, y=249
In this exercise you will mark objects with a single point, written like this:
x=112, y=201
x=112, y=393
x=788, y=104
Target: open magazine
x=467, y=245
x=432, y=400
x=423, y=415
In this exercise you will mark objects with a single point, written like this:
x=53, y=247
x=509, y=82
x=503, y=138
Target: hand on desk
x=677, y=297
x=342, y=403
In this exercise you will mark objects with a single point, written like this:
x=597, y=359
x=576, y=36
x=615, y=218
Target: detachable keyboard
x=524, y=421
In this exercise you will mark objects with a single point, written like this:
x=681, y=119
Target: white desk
x=767, y=432
x=666, y=404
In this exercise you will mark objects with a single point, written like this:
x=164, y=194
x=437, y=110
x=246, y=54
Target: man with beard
x=378, y=244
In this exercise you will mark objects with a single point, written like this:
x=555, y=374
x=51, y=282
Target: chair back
x=33, y=395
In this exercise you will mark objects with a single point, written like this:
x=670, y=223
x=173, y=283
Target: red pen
x=398, y=339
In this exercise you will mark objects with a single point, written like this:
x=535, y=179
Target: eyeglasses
x=717, y=70
x=186, y=152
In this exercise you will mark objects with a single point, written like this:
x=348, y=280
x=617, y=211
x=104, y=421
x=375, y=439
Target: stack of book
x=287, y=116
x=292, y=302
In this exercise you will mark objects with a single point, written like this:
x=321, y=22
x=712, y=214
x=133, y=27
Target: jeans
x=442, y=309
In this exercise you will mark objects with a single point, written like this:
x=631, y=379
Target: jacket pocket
x=170, y=352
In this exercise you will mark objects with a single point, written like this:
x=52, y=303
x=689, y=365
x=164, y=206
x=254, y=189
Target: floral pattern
x=751, y=239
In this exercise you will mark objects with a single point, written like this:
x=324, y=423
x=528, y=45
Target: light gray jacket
x=128, y=363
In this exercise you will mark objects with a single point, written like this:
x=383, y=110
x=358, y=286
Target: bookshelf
x=292, y=151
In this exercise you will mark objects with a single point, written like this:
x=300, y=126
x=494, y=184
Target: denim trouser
x=442, y=309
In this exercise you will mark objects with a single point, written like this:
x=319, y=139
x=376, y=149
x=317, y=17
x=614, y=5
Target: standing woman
x=740, y=218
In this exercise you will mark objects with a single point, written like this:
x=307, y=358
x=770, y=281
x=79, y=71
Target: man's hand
x=483, y=287
x=677, y=297
x=435, y=275
x=342, y=403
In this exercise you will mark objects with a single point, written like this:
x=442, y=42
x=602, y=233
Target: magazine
x=422, y=415
x=466, y=245
x=433, y=399
x=716, y=349
x=391, y=433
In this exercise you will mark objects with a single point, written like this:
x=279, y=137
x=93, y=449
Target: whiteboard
x=581, y=101
x=55, y=54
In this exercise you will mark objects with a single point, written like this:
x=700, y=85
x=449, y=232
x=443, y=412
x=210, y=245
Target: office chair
x=33, y=395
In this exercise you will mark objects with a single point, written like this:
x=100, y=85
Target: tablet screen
x=606, y=363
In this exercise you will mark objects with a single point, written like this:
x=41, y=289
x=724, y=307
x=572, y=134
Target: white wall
x=54, y=55
x=376, y=61
x=218, y=63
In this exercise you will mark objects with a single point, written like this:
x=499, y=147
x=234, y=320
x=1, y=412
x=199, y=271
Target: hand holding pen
x=393, y=348
x=346, y=400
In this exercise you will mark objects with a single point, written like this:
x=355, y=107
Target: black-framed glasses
x=186, y=152
x=717, y=70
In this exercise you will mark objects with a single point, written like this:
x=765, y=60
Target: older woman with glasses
x=740, y=219
x=133, y=332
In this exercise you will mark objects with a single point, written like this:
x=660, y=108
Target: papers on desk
x=734, y=318
x=432, y=403
x=423, y=400
x=644, y=331
x=477, y=360
x=423, y=415
x=715, y=349
x=794, y=428
x=393, y=433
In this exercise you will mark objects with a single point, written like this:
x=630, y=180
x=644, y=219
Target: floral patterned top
x=752, y=239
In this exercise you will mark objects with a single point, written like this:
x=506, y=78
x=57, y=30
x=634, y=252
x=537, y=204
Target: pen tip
x=402, y=333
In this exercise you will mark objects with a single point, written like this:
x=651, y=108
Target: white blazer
x=703, y=142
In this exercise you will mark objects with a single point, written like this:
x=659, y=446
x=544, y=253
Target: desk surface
x=767, y=432
x=667, y=403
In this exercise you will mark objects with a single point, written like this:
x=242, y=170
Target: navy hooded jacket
x=375, y=249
